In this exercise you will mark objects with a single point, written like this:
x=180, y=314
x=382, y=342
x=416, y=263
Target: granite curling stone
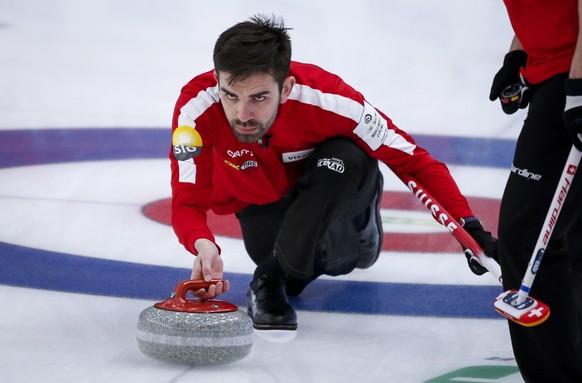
x=194, y=332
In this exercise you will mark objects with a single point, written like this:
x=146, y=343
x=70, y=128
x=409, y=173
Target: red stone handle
x=179, y=302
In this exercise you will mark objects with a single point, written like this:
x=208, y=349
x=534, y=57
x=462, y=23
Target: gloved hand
x=508, y=85
x=484, y=238
x=573, y=111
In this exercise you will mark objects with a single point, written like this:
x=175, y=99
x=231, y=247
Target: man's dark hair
x=260, y=45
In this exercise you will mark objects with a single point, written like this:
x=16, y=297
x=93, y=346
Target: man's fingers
x=213, y=290
x=225, y=286
x=196, y=274
x=208, y=273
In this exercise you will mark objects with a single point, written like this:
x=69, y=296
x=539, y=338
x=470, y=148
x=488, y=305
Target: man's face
x=251, y=105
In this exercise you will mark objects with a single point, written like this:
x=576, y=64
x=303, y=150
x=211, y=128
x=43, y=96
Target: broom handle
x=554, y=210
x=442, y=216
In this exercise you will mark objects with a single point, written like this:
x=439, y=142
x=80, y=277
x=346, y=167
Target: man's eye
x=260, y=98
x=230, y=96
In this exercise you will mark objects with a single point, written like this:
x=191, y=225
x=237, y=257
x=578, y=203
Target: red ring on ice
x=484, y=208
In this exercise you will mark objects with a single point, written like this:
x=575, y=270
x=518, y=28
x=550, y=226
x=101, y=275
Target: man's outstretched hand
x=208, y=266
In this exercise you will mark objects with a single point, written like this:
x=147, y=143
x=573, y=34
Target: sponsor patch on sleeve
x=372, y=128
x=186, y=143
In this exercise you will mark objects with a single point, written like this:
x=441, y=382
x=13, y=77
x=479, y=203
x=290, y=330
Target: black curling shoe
x=268, y=305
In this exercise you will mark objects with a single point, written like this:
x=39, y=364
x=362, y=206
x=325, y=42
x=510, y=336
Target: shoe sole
x=272, y=327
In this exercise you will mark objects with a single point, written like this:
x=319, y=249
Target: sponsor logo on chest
x=299, y=155
x=241, y=160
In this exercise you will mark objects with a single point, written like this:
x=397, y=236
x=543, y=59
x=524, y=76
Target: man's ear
x=287, y=87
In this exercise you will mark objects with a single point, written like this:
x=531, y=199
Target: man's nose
x=245, y=111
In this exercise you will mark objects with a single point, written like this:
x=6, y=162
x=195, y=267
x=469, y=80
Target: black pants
x=313, y=228
x=552, y=351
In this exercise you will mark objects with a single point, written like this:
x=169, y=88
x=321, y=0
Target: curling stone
x=194, y=332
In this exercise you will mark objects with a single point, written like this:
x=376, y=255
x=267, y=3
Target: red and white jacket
x=226, y=175
x=548, y=32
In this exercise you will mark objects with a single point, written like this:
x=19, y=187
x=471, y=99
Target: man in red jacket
x=544, y=67
x=293, y=151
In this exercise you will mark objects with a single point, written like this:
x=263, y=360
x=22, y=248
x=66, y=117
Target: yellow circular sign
x=187, y=136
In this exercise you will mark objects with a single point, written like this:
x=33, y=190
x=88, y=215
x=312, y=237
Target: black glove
x=508, y=85
x=573, y=111
x=484, y=238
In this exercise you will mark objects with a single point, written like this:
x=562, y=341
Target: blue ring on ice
x=48, y=270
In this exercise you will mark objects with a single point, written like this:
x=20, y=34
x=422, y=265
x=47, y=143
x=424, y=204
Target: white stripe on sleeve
x=374, y=132
x=187, y=171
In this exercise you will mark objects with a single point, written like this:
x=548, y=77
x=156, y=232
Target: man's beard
x=249, y=138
